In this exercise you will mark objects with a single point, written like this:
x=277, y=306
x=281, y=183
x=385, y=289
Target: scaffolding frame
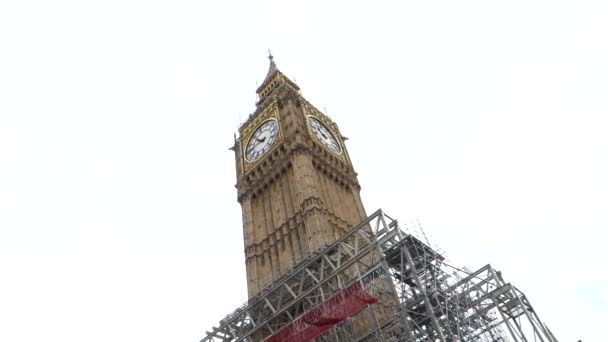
x=419, y=296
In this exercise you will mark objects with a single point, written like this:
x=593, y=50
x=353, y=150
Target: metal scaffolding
x=381, y=283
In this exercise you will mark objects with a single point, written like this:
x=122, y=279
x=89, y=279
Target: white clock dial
x=261, y=140
x=324, y=135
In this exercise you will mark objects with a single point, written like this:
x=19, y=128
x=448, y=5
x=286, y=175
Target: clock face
x=261, y=140
x=324, y=135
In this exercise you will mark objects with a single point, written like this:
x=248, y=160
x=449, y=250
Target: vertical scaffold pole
x=427, y=302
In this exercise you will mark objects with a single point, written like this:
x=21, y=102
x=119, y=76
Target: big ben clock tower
x=296, y=184
x=319, y=269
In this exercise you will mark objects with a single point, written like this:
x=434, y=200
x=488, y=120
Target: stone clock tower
x=296, y=184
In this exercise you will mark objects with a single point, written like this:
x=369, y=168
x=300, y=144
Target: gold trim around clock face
x=270, y=112
x=254, y=120
x=324, y=135
x=262, y=140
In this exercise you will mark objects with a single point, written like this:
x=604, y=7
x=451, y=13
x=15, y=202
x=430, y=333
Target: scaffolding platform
x=381, y=283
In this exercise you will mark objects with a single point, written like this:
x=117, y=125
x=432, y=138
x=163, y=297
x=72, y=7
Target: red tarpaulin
x=324, y=316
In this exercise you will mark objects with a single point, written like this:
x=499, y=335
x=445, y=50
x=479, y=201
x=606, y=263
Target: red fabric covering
x=324, y=316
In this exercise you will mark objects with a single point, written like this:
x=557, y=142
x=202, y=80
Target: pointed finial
x=272, y=66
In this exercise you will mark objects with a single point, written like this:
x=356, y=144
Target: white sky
x=484, y=120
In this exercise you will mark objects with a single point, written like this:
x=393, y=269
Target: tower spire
x=272, y=67
x=274, y=79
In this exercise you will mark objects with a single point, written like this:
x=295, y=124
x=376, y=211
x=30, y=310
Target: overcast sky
x=484, y=120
